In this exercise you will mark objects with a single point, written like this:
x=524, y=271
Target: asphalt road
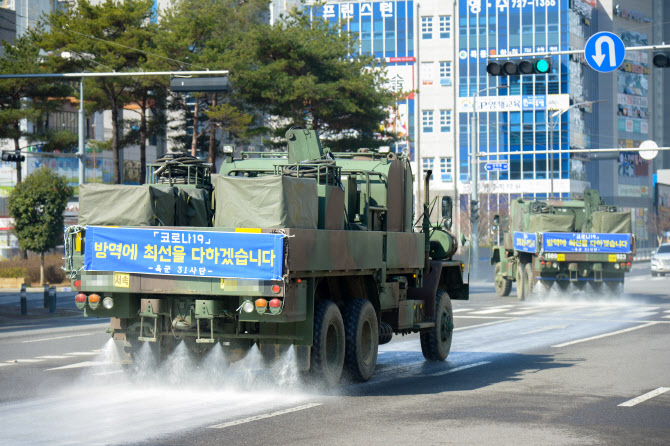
x=576, y=369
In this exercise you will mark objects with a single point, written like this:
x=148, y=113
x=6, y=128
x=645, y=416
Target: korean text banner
x=586, y=242
x=184, y=253
x=525, y=241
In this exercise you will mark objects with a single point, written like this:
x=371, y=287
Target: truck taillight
x=276, y=289
x=275, y=306
x=77, y=284
x=542, y=262
x=93, y=301
x=261, y=305
x=629, y=264
x=80, y=300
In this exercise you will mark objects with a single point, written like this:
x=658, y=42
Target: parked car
x=660, y=260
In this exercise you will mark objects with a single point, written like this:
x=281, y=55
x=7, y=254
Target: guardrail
x=643, y=254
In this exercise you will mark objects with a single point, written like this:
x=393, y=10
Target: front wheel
x=327, y=358
x=362, y=339
x=436, y=342
x=503, y=286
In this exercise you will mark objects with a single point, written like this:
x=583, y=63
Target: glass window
x=445, y=26
x=427, y=121
x=445, y=121
x=445, y=73
x=445, y=169
x=426, y=27
x=428, y=164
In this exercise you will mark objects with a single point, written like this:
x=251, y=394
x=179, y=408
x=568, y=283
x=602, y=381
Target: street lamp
x=550, y=151
x=474, y=175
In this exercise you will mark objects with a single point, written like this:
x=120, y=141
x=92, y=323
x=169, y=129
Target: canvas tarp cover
x=192, y=208
x=121, y=205
x=551, y=223
x=270, y=202
x=611, y=222
x=520, y=216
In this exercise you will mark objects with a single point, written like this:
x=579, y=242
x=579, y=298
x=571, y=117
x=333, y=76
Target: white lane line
x=540, y=330
x=459, y=310
x=264, y=416
x=524, y=312
x=60, y=337
x=458, y=369
x=112, y=372
x=53, y=357
x=645, y=397
x=14, y=361
x=485, y=324
x=491, y=311
x=2, y=364
x=79, y=365
x=649, y=324
x=82, y=353
x=666, y=317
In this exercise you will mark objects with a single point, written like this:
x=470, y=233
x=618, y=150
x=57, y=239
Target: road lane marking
x=485, y=324
x=15, y=361
x=645, y=397
x=82, y=353
x=53, y=357
x=78, y=365
x=459, y=310
x=458, y=369
x=264, y=416
x=540, y=330
x=524, y=312
x=59, y=337
x=491, y=311
x=565, y=344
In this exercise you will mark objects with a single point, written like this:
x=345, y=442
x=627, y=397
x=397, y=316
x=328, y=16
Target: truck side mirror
x=446, y=207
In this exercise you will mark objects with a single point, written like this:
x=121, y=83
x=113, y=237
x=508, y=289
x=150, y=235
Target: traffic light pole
x=82, y=145
x=560, y=53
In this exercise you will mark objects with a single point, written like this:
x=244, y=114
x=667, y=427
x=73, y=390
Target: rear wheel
x=436, y=343
x=530, y=280
x=503, y=286
x=362, y=339
x=327, y=358
x=521, y=281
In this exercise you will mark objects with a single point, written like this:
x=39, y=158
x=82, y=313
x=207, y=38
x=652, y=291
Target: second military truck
x=309, y=249
x=563, y=242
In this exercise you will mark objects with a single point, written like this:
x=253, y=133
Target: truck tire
x=362, y=339
x=327, y=357
x=436, y=343
x=530, y=280
x=503, y=286
x=521, y=281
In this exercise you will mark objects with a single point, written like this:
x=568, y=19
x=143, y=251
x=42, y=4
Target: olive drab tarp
x=122, y=205
x=192, y=208
x=611, y=222
x=551, y=223
x=266, y=202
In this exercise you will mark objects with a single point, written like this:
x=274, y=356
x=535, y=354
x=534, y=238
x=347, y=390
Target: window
x=445, y=169
x=428, y=164
x=426, y=27
x=427, y=121
x=445, y=121
x=445, y=73
x=445, y=26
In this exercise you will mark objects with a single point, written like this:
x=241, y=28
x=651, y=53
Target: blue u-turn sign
x=604, y=52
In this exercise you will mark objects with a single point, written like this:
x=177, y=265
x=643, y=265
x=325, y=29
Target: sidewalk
x=10, y=306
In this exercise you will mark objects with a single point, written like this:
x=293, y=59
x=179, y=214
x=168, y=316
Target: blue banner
x=525, y=241
x=184, y=253
x=586, y=242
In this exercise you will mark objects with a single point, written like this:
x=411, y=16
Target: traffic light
x=474, y=211
x=519, y=67
x=661, y=60
x=12, y=157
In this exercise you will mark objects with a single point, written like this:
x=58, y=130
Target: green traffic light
x=542, y=66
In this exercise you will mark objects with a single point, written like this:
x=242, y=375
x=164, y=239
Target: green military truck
x=575, y=241
x=308, y=248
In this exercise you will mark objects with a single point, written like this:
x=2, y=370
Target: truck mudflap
x=444, y=275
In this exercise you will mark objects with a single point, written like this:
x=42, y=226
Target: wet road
x=585, y=369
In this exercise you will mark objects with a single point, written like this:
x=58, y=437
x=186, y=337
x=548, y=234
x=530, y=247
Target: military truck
x=576, y=241
x=309, y=248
